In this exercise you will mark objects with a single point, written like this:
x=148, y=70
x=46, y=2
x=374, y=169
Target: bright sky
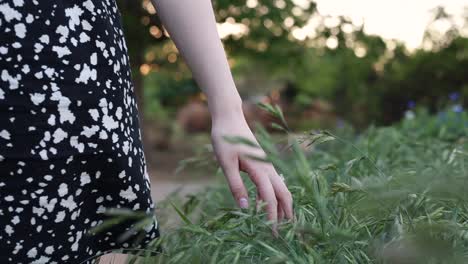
x=405, y=20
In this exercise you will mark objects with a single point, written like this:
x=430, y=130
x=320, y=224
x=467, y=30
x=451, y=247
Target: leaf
x=106, y=225
x=280, y=114
x=219, y=221
x=127, y=213
x=319, y=138
x=275, y=111
x=186, y=162
x=135, y=229
x=350, y=163
x=191, y=204
x=256, y=158
x=338, y=187
x=270, y=248
x=269, y=108
x=279, y=127
x=182, y=215
x=331, y=167
x=241, y=140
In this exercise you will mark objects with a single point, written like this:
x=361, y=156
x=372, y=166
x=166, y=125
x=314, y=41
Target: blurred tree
x=263, y=35
x=441, y=31
x=266, y=29
x=427, y=76
x=372, y=80
x=340, y=65
x=366, y=78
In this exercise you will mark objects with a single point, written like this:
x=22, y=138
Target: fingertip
x=275, y=230
x=243, y=203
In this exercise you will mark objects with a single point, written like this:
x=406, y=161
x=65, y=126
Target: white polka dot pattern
x=70, y=141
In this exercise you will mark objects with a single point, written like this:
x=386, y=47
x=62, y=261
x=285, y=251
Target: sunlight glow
x=402, y=20
x=397, y=19
x=231, y=28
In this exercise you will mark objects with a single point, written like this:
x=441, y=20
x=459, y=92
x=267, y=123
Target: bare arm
x=192, y=26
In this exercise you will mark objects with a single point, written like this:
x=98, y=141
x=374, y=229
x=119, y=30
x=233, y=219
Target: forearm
x=191, y=25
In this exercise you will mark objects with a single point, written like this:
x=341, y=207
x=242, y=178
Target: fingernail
x=243, y=203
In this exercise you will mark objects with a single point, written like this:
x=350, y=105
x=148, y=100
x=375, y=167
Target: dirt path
x=164, y=180
x=160, y=189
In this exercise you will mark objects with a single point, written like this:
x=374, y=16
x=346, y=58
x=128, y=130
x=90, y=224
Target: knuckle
x=285, y=194
x=273, y=203
x=228, y=161
x=257, y=178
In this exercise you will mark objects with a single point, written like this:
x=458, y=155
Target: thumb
x=237, y=186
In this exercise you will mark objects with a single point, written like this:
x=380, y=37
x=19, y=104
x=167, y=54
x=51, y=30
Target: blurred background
x=327, y=63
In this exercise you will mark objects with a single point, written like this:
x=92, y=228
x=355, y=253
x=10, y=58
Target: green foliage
x=269, y=38
x=391, y=195
x=276, y=112
x=426, y=77
x=376, y=86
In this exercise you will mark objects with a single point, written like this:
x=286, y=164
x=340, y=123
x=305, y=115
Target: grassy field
x=386, y=195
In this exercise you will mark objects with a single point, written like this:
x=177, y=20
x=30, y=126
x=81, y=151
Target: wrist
x=226, y=109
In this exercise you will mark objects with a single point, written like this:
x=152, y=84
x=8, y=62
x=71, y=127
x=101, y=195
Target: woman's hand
x=233, y=158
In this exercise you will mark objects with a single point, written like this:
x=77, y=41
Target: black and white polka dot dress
x=70, y=142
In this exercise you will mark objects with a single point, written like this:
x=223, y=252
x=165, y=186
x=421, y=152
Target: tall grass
x=389, y=195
